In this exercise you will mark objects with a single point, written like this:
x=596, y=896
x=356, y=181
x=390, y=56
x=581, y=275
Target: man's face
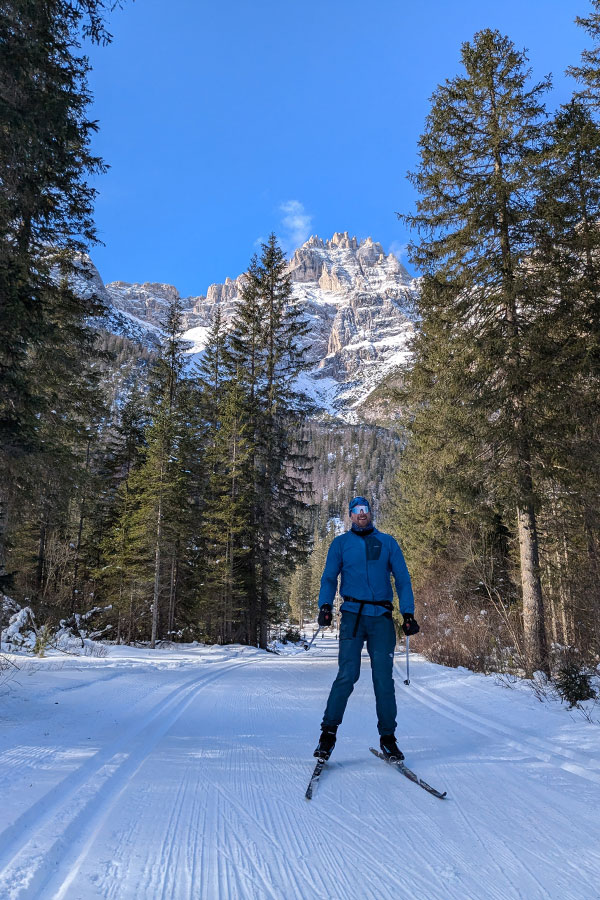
x=360, y=516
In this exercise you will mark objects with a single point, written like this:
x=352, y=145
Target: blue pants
x=380, y=635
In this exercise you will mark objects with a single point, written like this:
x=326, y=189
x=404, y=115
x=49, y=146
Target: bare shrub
x=464, y=623
x=8, y=668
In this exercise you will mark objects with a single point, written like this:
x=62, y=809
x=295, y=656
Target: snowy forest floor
x=179, y=774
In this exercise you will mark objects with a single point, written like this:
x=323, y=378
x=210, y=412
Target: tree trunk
x=156, y=572
x=552, y=602
x=79, y=533
x=536, y=650
x=172, y=591
x=3, y=533
x=130, y=623
x=41, y=559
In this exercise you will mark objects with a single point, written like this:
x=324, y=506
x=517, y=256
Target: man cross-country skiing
x=365, y=557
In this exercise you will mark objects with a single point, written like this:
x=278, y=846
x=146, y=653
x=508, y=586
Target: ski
x=314, y=778
x=398, y=764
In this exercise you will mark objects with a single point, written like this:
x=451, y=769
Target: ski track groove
x=500, y=850
x=163, y=865
x=269, y=820
x=231, y=849
x=198, y=867
x=541, y=810
x=476, y=833
x=245, y=857
x=111, y=882
x=266, y=819
x=511, y=850
x=366, y=849
x=25, y=831
x=205, y=869
x=46, y=806
x=575, y=763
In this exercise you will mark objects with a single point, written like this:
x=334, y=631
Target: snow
x=321, y=390
x=197, y=337
x=180, y=773
x=17, y=622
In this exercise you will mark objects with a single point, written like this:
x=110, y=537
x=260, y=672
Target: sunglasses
x=361, y=508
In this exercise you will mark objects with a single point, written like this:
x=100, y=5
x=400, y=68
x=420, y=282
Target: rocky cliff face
x=356, y=298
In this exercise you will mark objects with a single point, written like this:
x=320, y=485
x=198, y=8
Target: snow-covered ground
x=181, y=774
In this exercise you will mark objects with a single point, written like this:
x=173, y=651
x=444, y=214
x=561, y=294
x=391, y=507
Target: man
x=365, y=557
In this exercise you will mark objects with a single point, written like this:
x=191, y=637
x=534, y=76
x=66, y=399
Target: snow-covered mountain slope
x=181, y=774
x=357, y=300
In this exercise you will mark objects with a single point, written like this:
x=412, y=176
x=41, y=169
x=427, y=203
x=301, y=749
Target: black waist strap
x=385, y=603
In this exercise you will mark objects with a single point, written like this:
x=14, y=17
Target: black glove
x=325, y=615
x=410, y=624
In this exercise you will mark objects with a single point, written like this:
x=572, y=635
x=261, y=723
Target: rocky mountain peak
x=356, y=298
x=343, y=264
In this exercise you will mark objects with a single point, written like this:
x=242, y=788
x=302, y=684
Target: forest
x=144, y=501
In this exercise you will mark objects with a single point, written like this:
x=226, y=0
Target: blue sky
x=224, y=121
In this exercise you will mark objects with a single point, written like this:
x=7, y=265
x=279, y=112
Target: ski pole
x=313, y=637
x=407, y=679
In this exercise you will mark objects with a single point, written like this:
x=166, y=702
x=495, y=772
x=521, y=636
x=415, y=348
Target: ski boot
x=390, y=748
x=326, y=742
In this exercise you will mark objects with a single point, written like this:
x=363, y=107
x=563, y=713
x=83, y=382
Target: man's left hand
x=410, y=624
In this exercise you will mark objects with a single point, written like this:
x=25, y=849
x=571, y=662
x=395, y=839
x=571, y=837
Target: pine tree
x=282, y=491
x=588, y=72
x=484, y=298
x=225, y=452
x=244, y=369
x=45, y=217
x=150, y=537
x=263, y=357
x=110, y=517
x=569, y=211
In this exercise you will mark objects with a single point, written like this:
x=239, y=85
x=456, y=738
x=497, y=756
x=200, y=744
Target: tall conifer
x=483, y=299
x=587, y=72
x=45, y=216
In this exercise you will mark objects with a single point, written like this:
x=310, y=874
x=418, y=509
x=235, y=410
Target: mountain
x=357, y=299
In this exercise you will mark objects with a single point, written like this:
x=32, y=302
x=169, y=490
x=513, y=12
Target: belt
x=385, y=603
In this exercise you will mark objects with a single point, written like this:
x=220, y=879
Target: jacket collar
x=363, y=532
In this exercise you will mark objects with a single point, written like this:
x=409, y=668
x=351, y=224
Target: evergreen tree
x=263, y=357
x=244, y=365
x=282, y=459
x=569, y=211
x=225, y=452
x=588, y=72
x=45, y=217
x=483, y=299
x=108, y=536
x=151, y=531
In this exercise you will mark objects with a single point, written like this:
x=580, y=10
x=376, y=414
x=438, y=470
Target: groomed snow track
x=165, y=778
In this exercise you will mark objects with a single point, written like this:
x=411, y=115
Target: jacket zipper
x=364, y=540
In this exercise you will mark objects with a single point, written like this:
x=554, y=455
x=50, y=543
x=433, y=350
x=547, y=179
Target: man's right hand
x=325, y=615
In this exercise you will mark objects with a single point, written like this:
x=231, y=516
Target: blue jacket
x=365, y=564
